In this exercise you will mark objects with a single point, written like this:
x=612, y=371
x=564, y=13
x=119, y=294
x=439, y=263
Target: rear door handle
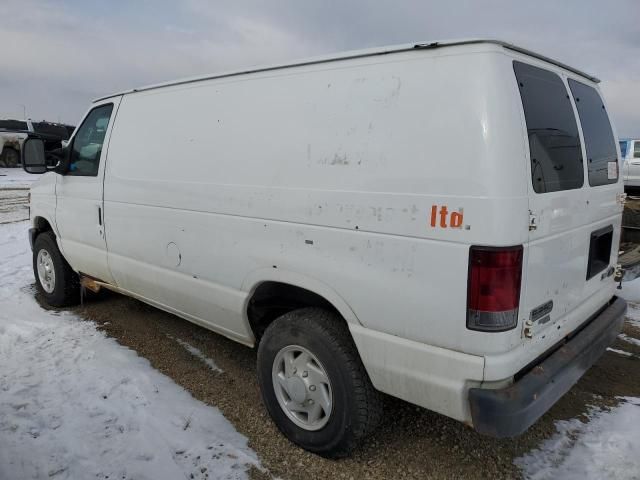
x=99, y=215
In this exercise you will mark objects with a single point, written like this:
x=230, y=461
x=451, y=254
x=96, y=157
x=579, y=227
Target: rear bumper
x=510, y=411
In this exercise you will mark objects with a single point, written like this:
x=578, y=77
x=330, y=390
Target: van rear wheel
x=314, y=384
x=55, y=279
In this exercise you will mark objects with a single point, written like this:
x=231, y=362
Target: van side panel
x=329, y=171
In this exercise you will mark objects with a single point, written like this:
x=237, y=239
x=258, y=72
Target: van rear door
x=574, y=213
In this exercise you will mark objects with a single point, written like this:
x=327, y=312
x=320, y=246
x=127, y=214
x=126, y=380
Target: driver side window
x=87, y=144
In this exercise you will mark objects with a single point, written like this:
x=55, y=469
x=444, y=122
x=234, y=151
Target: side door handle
x=100, y=227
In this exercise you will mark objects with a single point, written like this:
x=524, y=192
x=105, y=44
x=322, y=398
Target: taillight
x=493, y=292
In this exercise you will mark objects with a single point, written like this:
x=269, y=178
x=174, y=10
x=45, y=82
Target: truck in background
x=14, y=132
x=630, y=157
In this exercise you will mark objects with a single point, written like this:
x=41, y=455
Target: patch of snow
x=198, y=354
x=76, y=404
x=620, y=352
x=14, y=188
x=607, y=446
x=14, y=205
x=631, y=293
x=633, y=313
x=16, y=178
x=628, y=339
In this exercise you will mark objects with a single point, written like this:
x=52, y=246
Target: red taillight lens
x=493, y=294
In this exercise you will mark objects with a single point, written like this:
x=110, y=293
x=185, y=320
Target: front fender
x=42, y=206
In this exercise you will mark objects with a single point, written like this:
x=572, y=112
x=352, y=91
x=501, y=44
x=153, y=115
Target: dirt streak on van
x=316, y=210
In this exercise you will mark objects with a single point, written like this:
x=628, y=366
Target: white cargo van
x=439, y=222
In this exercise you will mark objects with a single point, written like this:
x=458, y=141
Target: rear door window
x=636, y=149
x=600, y=144
x=554, y=143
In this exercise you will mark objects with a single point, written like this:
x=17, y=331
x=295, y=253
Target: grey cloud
x=66, y=56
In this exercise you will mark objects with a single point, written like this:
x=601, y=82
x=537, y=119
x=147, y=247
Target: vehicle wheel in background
x=56, y=281
x=9, y=157
x=314, y=384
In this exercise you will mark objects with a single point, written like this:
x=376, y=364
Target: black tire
x=10, y=158
x=357, y=406
x=66, y=291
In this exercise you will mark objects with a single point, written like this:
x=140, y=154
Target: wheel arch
x=41, y=224
x=273, y=292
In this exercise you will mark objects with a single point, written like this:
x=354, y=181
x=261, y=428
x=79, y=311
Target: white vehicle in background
x=630, y=155
x=317, y=211
x=13, y=133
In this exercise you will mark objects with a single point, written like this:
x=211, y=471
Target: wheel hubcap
x=302, y=387
x=46, y=272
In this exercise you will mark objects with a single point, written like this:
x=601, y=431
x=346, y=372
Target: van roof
x=370, y=52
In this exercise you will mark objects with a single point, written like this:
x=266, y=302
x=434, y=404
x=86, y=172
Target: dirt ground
x=411, y=442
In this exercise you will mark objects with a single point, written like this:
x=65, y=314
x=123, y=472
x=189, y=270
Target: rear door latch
x=533, y=221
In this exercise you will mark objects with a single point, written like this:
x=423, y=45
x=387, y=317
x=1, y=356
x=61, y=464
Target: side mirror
x=34, y=159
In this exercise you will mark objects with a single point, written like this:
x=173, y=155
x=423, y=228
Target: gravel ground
x=411, y=442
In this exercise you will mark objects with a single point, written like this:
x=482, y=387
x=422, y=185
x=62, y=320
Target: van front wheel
x=313, y=382
x=55, y=279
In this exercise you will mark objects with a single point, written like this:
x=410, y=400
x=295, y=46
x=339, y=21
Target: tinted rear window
x=599, y=141
x=554, y=143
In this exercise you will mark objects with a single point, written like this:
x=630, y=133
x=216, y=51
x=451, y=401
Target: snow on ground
x=605, y=447
x=14, y=188
x=16, y=178
x=75, y=404
x=628, y=339
x=620, y=352
x=197, y=353
x=631, y=293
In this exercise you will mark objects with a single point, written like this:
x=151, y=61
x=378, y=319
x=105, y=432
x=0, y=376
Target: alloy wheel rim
x=302, y=387
x=46, y=271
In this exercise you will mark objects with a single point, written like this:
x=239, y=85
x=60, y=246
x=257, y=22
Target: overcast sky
x=59, y=55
